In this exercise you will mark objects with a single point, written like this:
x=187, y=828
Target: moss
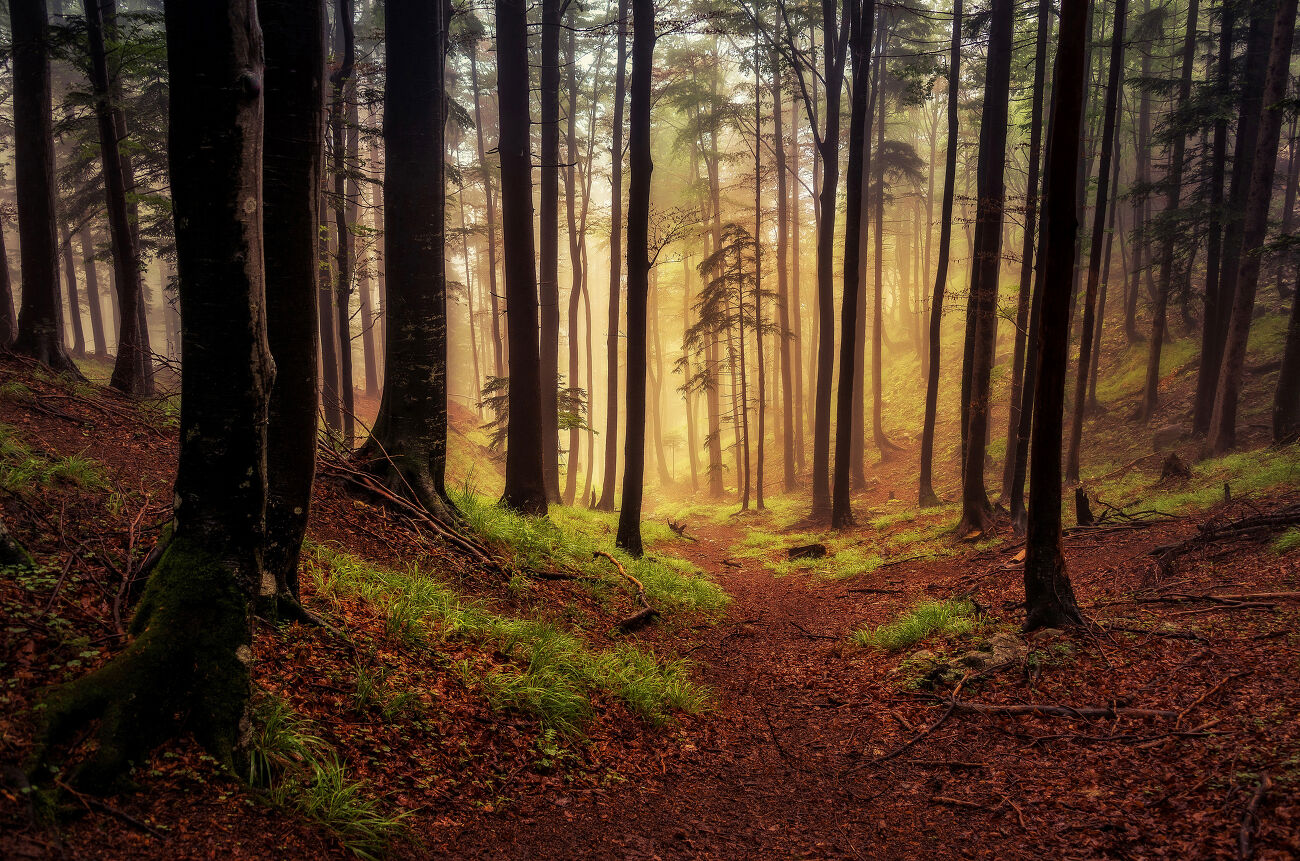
x=186, y=669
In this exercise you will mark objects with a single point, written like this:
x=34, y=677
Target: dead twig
x=1045, y=710
x=646, y=614
x=1250, y=819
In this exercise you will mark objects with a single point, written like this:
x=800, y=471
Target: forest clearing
x=649, y=430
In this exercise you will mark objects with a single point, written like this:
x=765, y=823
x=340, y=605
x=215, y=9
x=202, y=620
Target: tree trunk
x=549, y=251
x=132, y=371
x=1091, y=405
x=8, y=316
x=407, y=448
x=1027, y=246
x=329, y=390
x=783, y=332
x=295, y=56
x=1142, y=203
x=40, y=324
x=525, y=489
x=987, y=257
x=1286, y=400
x=610, y=472
x=758, y=267
x=1049, y=597
x=861, y=22
x=342, y=88
x=189, y=655
x=883, y=445
x=92, y=292
x=576, y=269
x=796, y=303
x=74, y=298
x=640, y=167
x=1248, y=96
x=1223, y=421
x=490, y=202
x=1159, y=309
x=927, y=496
x=1090, y=321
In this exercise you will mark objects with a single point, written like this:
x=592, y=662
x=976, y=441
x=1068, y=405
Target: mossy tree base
x=186, y=670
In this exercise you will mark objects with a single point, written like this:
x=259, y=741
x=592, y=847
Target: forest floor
x=497, y=714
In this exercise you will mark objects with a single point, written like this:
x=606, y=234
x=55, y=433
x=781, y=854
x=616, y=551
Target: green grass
x=299, y=771
x=569, y=538
x=23, y=470
x=1246, y=472
x=1287, y=541
x=549, y=673
x=926, y=619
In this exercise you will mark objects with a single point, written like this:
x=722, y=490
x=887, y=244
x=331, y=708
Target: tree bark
x=576, y=267
x=8, y=316
x=74, y=298
x=926, y=495
x=1223, y=421
x=490, y=202
x=784, y=333
x=342, y=87
x=92, y=292
x=1049, y=597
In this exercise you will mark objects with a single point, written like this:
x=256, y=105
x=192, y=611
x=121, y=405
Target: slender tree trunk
x=74, y=298
x=1027, y=246
x=1286, y=400
x=490, y=203
x=796, y=302
x=1092, y=405
x=883, y=445
x=784, y=333
x=656, y=376
x=575, y=252
x=8, y=316
x=985, y=266
x=1223, y=421
x=1159, y=316
x=1090, y=321
x=92, y=292
x=40, y=325
x=609, y=478
x=1049, y=597
x=688, y=375
x=525, y=489
x=343, y=89
x=329, y=391
x=1142, y=204
x=927, y=496
x=640, y=167
x=758, y=267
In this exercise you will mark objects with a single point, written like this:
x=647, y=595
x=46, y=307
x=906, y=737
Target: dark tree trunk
x=758, y=275
x=88, y=264
x=132, y=371
x=1223, y=421
x=987, y=257
x=1141, y=204
x=326, y=318
x=1090, y=320
x=1027, y=247
x=40, y=324
x=1286, y=400
x=640, y=167
x=8, y=316
x=491, y=206
x=525, y=489
x=610, y=472
x=883, y=445
x=549, y=252
x=189, y=655
x=291, y=158
x=861, y=22
x=1174, y=180
x=576, y=263
x=1049, y=597
x=342, y=88
x=407, y=448
x=1221, y=282
x=927, y=496
x=74, y=297
x=1092, y=405
x=796, y=303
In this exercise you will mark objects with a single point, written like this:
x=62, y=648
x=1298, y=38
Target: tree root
x=185, y=670
x=642, y=617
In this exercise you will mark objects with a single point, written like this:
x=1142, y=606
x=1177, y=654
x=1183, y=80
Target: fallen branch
x=810, y=634
x=1107, y=712
x=1211, y=692
x=806, y=551
x=679, y=529
x=1253, y=526
x=1250, y=819
x=646, y=614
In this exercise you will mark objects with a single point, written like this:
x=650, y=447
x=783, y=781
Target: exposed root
x=646, y=614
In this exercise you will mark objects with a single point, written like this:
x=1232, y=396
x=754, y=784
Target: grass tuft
x=947, y=618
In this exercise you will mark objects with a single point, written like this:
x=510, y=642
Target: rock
x=977, y=660
x=1167, y=437
x=1007, y=648
x=1046, y=634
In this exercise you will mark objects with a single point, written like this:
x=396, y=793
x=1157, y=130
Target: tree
x=40, y=326
x=1086, y=356
x=1049, y=596
x=640, y=166
x=133, y=368
x=291, y=158
x=1286, y=400
x=1223, y=421
x=861, y=22
x=187, y=665
x=525, y=489
x=927, y=496
x=8, y=318
x=341, y=87
x=407, y=449
x=610, y=475
x=548, y=285
x=985, y=266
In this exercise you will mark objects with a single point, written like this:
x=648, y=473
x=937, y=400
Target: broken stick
x=646, y=614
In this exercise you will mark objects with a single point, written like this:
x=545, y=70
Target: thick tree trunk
x=549, y=238
x=291, y=159
x=1223, y=421
x=133, y=369
x=187, y=666
x=1049, y=597
x=640, y=167
x=1174, y=180
x=40, y=324
x=1090, y=321
x=610, y=472
x=525, y=489
x=985, y=266
x=1027, y=246
x=861, y=22
x=927, y=496
x=88, y=265
x=407, y=448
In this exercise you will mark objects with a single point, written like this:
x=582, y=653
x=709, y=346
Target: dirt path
x=772, y=774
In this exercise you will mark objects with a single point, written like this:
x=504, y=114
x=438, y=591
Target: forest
x=649, y=429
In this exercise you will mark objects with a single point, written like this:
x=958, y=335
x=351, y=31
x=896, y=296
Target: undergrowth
x=300, y=771
x=549, y=673
x=925, y=619
x=23, y=470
